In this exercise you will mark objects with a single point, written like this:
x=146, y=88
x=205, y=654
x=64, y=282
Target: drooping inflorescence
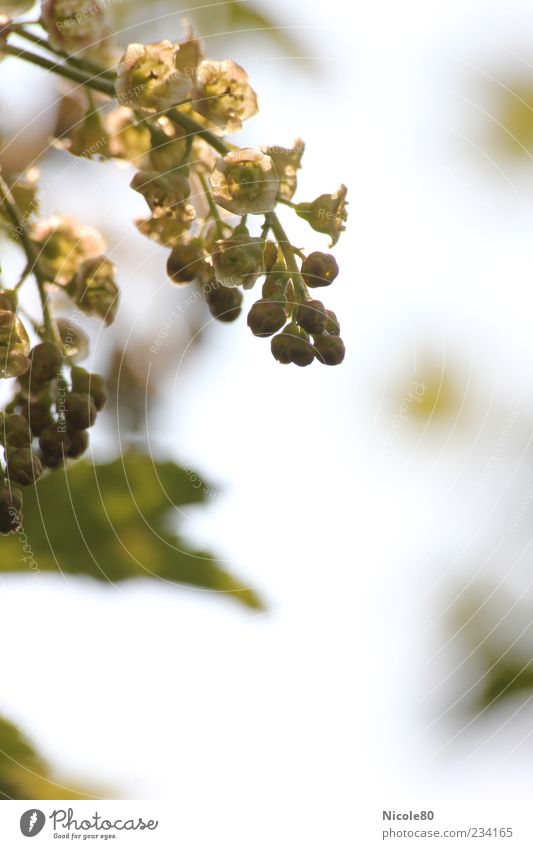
x=164, y=109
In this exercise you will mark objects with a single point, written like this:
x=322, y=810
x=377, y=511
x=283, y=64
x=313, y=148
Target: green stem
x=193, y=127
x=61, y=69
x=215, y=215
x=23, y=277
x=300, y=289
x=287, y=203
x=8, y=202
x=82, y=64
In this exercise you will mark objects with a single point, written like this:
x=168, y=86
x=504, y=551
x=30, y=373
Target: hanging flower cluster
x=164, y=109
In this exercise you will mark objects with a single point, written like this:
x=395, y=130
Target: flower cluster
x=164, y=109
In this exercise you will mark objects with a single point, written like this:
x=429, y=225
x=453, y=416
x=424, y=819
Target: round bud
x=45, y=362
x=266, y=317
x=80, y=410
x=329, y=350
x=185, y=263
x=90, y=384
x=55, y=444
x=23, y=466
x=290, y=347
x=14, y=432
x=224, y=303
x=10, y=509
x=332, y=324
x=79, y=442
x=75, y=340
x=312, y=316
x=38, y=416
x=319, y=269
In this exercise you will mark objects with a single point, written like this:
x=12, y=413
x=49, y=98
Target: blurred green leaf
x=498, y=650
x=507, y=675
x=115, y=522
x=511, y=128
x=24, y=774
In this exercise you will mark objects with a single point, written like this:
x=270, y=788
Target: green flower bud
x=79, y=442
x=148, y=77
x=14, y=432
x=64, y=245
x=286, y=161
x=10, y=509
x=244, y=181
x=127, y=138
x=165, y=194
x=89, y=138
x=329, y=350
x=169, y=146
x=46, y=362
x=332, y=324
x=238, y=261
x=223, y=95
x=38, y=416
x=12, y=332
x=55, y=444
x=319, y=270
x=90, y=384
x=23, y=189
x=266, y=317
x=165, y=231
x=14, y=345
x=75, y=340
x=312, y=316
x=186, y=262
x=326, y=214
x=23, y=466
x=73, y=25
x=12, y=363
x=80, y=410
x=224, y=304
x=292, y=346
x=94, y=289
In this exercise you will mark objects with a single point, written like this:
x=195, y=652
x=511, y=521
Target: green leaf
x=114, y=522
x=507, y=676
x=24, y=774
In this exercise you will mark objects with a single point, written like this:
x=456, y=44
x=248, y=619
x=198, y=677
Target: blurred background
x=379, y=515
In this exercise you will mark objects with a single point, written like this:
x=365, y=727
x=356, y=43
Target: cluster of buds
x=46, y=423
x=55, y=401
x=211, y=204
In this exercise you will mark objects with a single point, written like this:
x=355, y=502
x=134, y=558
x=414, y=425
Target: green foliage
x=497, y=649
x=114, y=522
x=24, y=774
x=508, y=675
x=511, y=128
